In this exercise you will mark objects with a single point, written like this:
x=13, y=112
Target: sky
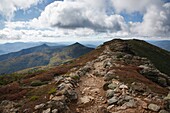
x=83, y=20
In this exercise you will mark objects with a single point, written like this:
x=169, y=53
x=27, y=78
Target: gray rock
x=113, y=100
x=60, y=106
x=139, y=87
x=86, y=99
x=55, y=111
x=47, y=110
x=61, y=86
x=84, y=70
x=131, y=104
x=40, y=106
x=112, y=86
x=163, y=111
x=167, y=97
x=107, y=64
x=109, y=76
x=124, y=99
x=72, y=95
x=162, y=81
x=109, y=93
x=58, y=98
x=127, y=97
x=123, y=86
x=154, y=107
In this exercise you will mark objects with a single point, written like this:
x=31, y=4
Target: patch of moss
x=75, y=77
x=52, y=91
x=33, y=98
x=37, y=83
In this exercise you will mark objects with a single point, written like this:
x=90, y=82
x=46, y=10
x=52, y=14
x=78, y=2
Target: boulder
x=162, y=81
x=72, y=95
x=40, y=106
x=58, y=98
x=138, y=87
x=163, y=111
x=112, y=86
x=123, y=99
x=130, y=104
x=86, y=99
x=108, y=77
x=154, y=107
x=110, y=93
x=47, y=110
x=167, y=102
x=123, y=86
x=113, y=100
x=167, y=97
x=55, y=111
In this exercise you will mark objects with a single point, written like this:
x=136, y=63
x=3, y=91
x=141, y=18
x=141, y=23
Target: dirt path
x=91, y=94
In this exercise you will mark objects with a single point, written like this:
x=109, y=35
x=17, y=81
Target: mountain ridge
x=111, y=78
x=39, y=56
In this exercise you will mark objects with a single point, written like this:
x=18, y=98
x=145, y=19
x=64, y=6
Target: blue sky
x=23, y=20
x=35, y=11
x=32, y=12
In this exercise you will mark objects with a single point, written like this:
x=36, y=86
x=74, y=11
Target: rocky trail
x=91, y=96
x=101, y=91
x=114, y=82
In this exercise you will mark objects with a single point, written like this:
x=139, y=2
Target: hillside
x=113, y=78
x=40, y=56
x=18, y=46
x=159, y=57
x=164, y=44
x=1, y=52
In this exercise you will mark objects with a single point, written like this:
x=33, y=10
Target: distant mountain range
x=40, y=56
x=17, y=46
x=164, y=44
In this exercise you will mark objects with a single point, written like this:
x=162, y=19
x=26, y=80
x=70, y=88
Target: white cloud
x=131, y=6
x=155, y=22
x=70, y=19
x=8, y=7
x=72, y=14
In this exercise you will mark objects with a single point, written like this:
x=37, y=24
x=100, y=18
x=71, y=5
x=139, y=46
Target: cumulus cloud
x=96, y=18
x=8, y=7
x=155, y=22
x=72, y=14
x=131, y=6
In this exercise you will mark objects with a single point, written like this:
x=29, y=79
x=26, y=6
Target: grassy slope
x=40, y=56
x=69, y=53
x=159, y=57
x=23, y=62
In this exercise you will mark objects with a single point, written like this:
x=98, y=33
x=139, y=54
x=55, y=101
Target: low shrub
x=75, y=77
x=36, y=83
x=52, y=91
x=33, y=98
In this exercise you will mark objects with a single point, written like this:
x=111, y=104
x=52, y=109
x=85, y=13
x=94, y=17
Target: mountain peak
x=77, y=44
x=44, y=45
